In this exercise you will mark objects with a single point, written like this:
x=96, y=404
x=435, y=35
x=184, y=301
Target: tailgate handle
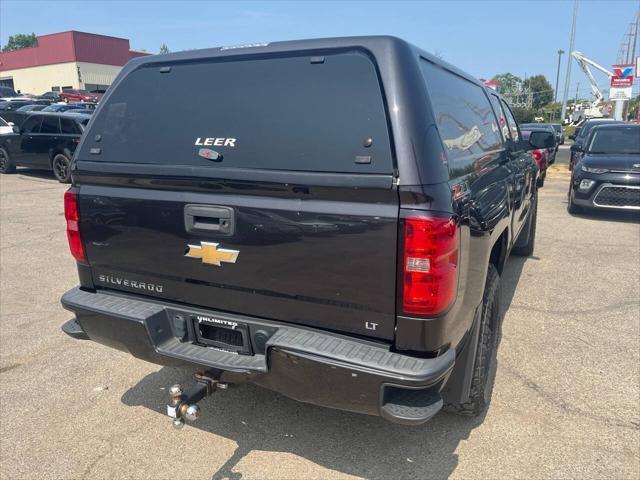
x=210, y=219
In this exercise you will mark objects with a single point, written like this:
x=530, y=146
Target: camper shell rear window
x=322, y=113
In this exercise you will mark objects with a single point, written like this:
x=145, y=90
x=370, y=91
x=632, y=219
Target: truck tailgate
x=328, y=260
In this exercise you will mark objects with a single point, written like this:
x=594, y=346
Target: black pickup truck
x=326, y=218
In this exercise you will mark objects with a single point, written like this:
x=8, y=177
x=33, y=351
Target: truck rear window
x=323, y=114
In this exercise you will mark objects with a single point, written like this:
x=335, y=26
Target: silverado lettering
x=125, y=282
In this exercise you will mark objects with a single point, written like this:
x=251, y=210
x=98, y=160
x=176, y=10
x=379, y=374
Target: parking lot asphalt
x=566, y=403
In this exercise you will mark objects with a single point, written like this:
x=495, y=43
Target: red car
x=541, y=156
x=73, y=95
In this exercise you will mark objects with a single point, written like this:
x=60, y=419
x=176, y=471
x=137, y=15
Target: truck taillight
x=73, y=224
x=430, y=267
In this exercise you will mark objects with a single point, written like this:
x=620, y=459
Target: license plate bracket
x=227, y=335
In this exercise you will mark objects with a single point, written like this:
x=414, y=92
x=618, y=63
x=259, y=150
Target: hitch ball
x=192, y=413
x=183, y=403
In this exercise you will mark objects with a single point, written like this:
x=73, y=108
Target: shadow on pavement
x=260, y=420
x=510, y=278
x=33, y=173
x=610, y=216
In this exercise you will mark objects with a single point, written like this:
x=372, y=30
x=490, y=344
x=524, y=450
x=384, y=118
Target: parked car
x=183, y=273
x=18, y=115
x=6, y=128
x=86, y=105
x=51, y=96
x=581, y=134
x=543, y=126
x=8, y=92
x=559, y=133
x=11, y=104
x=44, y=140
x=75, y=95
x=551, y=151
x=541, y=156
x=63, y=107
x=10, y=109
x=84, y=111
x=31, y=108
x=608, y=175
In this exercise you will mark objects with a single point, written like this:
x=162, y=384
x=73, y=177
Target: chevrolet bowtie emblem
x=209, y=252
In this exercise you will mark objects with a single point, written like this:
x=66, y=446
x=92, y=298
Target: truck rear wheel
x=484, y=367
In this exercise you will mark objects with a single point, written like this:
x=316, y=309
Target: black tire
x=484, y=367
x=526, y=241
x=572, y=208
x=540, y=181
x=61, y=166
x=6, y=164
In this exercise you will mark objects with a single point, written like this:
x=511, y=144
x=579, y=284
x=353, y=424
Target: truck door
x=520, y=164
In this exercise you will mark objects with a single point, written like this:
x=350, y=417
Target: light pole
x=555, y=92
x=567, y=79
x=555, y=95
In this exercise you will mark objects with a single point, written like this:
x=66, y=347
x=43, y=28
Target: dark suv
x=326, y=218
x=607, y=176
x=44, y=140
x=580, y=135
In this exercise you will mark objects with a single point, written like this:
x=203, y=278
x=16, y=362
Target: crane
x=584, y=63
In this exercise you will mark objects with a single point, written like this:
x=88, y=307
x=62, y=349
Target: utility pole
x=555, y=91
x=555, y=94
x=567, y=79
x=577, y=88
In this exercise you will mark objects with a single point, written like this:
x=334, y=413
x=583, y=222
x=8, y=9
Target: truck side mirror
x=539, y=140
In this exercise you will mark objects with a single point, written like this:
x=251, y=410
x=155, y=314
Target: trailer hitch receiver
x=183, y=403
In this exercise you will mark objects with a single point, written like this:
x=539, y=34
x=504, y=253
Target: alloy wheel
x=61, y=167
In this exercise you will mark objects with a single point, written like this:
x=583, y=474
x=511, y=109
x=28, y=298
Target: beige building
x=66, y=60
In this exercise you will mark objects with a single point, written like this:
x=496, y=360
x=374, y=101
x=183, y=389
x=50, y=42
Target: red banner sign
x=623, y=76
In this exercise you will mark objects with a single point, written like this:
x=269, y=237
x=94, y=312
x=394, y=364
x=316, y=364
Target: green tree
x=523, y=115
x=634, y=105
x=164, y=49
x=541, y=90
x=508, y=84
x=550, y=112
x=20, y=40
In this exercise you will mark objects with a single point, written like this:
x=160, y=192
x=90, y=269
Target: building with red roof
x=66, y=60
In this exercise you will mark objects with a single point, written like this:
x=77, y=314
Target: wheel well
x=53, y=152
x=499, y=252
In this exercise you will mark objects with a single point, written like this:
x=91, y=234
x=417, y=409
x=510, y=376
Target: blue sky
x=482, y=38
